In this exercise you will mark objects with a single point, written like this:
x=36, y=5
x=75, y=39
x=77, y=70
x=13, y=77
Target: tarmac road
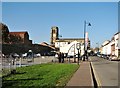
x=106, y=72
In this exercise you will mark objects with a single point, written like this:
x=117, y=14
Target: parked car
x=69, y=56
x=104, y=56
x=2, y=55
x=94, y=54
x=37, y=55
x=113, y=57
x=99, y=55
x=108, y=56
x=14, y=55
x=24, y=55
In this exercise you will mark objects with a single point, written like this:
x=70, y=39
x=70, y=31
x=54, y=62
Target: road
x=106, y=72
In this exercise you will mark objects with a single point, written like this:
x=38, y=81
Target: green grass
x=5, y=71
x=43, y=75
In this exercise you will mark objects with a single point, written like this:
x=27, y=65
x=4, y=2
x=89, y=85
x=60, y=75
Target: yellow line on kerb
x=96, y=77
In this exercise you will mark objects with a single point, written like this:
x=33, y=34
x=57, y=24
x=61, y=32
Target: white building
x=116, y=38
x=112, y=47
x=71, y=48
x=106, y=48
x=119, y=45
x=69, y=45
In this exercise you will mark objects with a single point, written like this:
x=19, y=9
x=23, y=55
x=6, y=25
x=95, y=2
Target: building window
x=53, y=31
x=117, y=45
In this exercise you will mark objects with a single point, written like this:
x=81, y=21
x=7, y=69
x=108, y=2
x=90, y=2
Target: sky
x=38, y=17
x=60, y=0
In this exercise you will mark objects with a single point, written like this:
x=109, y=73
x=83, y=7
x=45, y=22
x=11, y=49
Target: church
x=68, y=45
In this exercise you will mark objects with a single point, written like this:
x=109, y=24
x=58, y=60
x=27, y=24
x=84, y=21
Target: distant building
x=112, y=47
x=56, y=41
x=46, y=44
x=8, y=37
x=67, y=45
x=106, y=47
x=117, y=43
x=65, y=41
x=54, y=35
x=23, y=35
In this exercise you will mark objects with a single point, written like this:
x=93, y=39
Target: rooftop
x=22, y=32
x=116, y=33
x=71, y=39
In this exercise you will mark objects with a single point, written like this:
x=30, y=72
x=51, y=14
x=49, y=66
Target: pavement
x=82, y=77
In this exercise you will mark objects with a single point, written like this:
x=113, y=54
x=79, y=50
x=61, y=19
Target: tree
x=5, y=33
x=14, y=39
x=6, y=37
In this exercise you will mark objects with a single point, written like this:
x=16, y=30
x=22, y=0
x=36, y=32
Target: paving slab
x=82, y=77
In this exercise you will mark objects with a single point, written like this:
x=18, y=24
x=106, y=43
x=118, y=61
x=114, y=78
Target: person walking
x=62, y=57
x=59, y=57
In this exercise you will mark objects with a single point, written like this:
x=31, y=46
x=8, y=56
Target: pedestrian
x=87, y=57
x=62, y=57
x=83, y=57
x=59, y=57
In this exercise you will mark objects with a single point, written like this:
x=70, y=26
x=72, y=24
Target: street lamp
x=78, y=46
x=84, y=38
x=97, y=46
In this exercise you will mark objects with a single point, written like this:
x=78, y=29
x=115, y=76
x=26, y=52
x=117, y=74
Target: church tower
x=54, y=34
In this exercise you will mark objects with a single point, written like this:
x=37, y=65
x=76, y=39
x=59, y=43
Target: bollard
x=15, y=64
x=9, y=66
x=20, y=62
x=14, y=67
x=40, y=60
x=12, y=62
x=69, y=60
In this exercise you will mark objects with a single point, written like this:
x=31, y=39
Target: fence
x=9, y=64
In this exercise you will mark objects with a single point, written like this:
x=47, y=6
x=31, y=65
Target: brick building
x=23, y=35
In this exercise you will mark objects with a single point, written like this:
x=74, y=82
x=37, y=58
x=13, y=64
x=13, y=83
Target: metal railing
x=10, y=64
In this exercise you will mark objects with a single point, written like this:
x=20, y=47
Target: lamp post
x=78, y=46
x=98, y=47
x=84, y=38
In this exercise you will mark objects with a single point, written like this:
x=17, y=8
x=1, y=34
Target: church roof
x=69, y=39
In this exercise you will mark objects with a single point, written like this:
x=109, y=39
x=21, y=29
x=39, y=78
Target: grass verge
x=42, y=76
